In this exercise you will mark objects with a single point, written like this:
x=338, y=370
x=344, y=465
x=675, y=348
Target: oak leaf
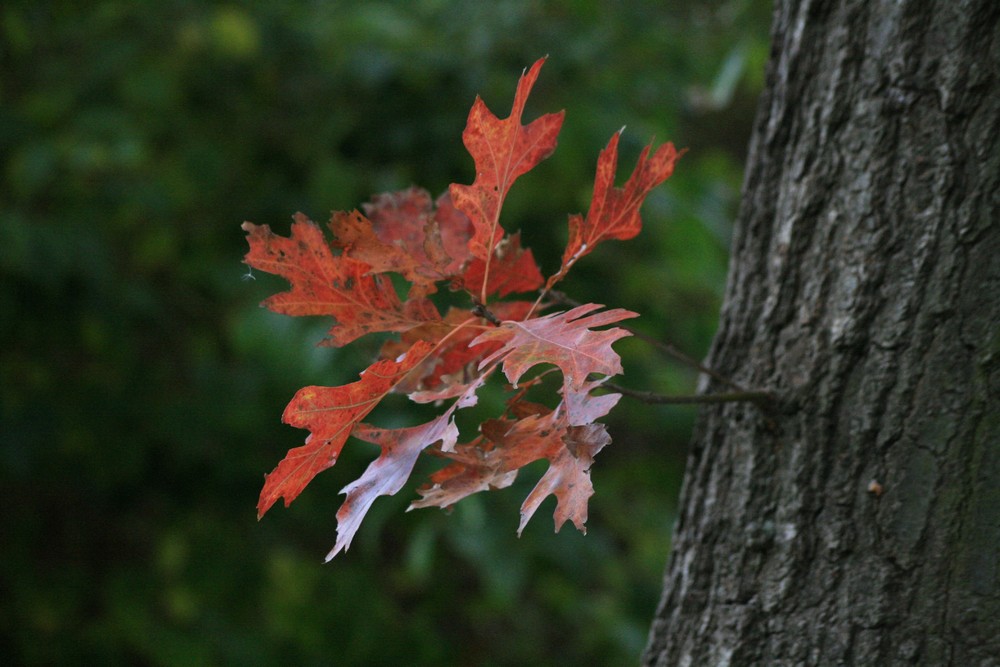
x=330, y=414
x=502, y=151
x=328, y=284
x=512, y=270
x=355, y=234
x=470, y=473
x=493, y=460
x=568, y=477
x=582, y=408
x=435, y=235
x=566, y=339
x=454, y=361
x=387, y=474
x=523, y=441
x=614, y=212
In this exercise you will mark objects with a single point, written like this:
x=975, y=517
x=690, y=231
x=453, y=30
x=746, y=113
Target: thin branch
x=761, y=399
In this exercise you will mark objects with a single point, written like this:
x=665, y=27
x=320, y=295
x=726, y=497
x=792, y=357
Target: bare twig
x=762, y=399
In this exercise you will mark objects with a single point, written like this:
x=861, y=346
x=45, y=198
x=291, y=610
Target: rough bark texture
x=861, y=525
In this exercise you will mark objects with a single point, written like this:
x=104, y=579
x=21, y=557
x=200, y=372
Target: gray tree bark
x=860, y=524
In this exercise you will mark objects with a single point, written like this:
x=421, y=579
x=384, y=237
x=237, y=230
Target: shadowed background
x=141, y=387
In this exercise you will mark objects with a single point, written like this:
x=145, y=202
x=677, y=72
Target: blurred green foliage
x=141, y=388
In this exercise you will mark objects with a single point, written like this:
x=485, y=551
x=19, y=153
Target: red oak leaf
x=502, y=151
x=570, y=451
x=354, y=233
x=400, y=217
x=513, y=269
x=520, y=408
x=451, y=356
x=582, y=408
x=614, y=212
x=492, y=461
x=325, y=284
x=524, y=441
x=454, y=362
x=564, y=339
x=387, y=474
x=436, y=235
x=467, y=475
x=568, y=477
x=330, y=414
x=447, y=238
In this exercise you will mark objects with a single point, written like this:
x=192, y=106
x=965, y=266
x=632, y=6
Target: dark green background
x=141, y=387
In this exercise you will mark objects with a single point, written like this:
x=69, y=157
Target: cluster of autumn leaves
x=456, y=241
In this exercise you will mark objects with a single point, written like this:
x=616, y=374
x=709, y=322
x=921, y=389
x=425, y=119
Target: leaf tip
x=264, y=503
x=341, y=545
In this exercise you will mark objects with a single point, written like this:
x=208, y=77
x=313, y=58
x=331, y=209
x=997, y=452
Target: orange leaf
x=325, y=284
x=330, y=414
x=614, y=212
x=502, y=150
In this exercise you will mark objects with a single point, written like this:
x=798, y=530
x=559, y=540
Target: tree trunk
x=860, y=523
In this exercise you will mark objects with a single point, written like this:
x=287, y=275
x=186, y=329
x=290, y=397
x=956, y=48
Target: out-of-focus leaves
x=135, y=137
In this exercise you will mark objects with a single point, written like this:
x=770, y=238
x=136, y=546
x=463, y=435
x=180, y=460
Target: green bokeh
x=141, y=387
